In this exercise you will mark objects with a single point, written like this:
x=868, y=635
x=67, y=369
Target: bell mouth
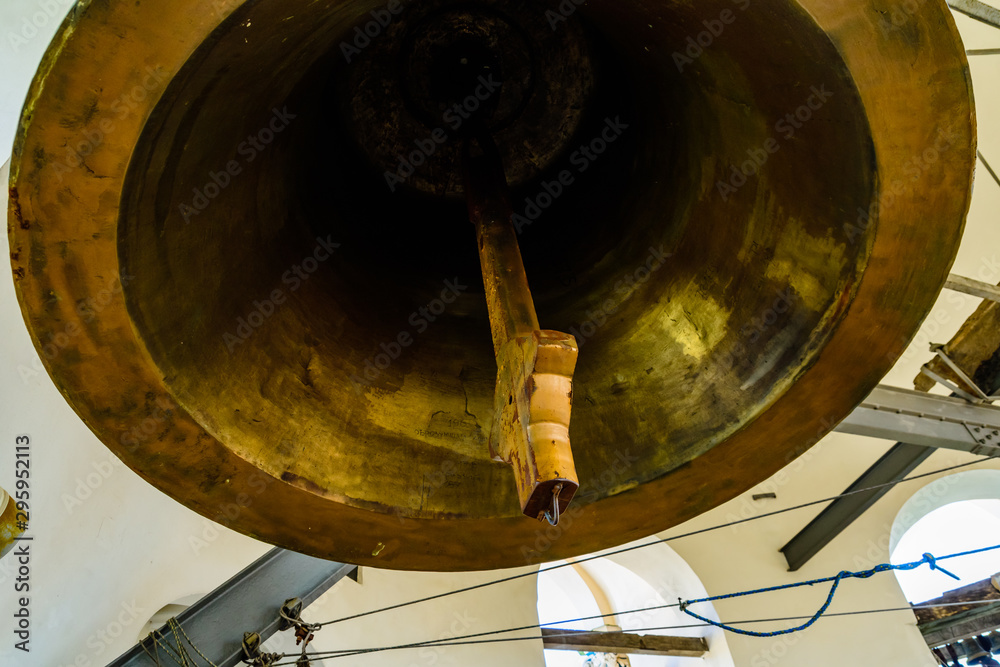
x=316, y=317
x=689, y=199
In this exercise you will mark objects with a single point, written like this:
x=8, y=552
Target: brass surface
x=719, y=336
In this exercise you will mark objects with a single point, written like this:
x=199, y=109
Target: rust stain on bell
x=166, y=227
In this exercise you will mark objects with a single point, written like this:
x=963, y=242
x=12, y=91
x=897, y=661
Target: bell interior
x=364, y=372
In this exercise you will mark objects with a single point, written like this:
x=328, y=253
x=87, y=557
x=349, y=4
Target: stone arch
x=967, y=485
x=643, y=578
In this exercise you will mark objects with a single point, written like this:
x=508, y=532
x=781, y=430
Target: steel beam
x=977, y=10
x=920, y=423
x=897, y=463
x=919, y=418
x=249, y=602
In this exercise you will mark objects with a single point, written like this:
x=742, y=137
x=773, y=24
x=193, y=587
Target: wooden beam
x=977, y=10
x=951, y=623
x=973, y=287
x=962, y=625
x=623, y=642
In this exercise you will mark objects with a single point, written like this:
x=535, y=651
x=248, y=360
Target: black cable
x=647, y=544
x=436, y=642
x=988, y=167
x=329, y=655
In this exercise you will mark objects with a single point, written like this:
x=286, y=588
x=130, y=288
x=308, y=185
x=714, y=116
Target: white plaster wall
x=502, y=606
x=747, y=556
x=109, y=550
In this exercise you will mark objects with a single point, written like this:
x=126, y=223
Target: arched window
x=953, y=514
x=960, y=512
x=640, y=579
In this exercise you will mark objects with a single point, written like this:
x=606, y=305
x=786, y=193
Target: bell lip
x=861, y=350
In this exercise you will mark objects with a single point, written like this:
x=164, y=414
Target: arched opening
x=954, y=514
x=937, y=520
x=166, y=612
x=599, y=590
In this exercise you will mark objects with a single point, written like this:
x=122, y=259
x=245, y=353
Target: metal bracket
x=988, y=439
x=918, y=418
x=252, y=654
x=980, y=397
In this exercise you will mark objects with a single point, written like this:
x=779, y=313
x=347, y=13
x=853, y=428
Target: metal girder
x=919, y=418
x=248, y=602
x=897, y=463
x=623, y=642
x=920, y=423
x=977, y=10
x=970, y=286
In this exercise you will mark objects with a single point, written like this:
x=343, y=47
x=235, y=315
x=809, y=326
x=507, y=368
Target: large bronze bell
x=241, y=244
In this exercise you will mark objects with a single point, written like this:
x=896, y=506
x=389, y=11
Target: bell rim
x=424, y=544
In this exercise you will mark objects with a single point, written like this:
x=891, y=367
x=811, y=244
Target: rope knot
x=930, y=560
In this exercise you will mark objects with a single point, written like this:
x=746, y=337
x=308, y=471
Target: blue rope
x=863, y=574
